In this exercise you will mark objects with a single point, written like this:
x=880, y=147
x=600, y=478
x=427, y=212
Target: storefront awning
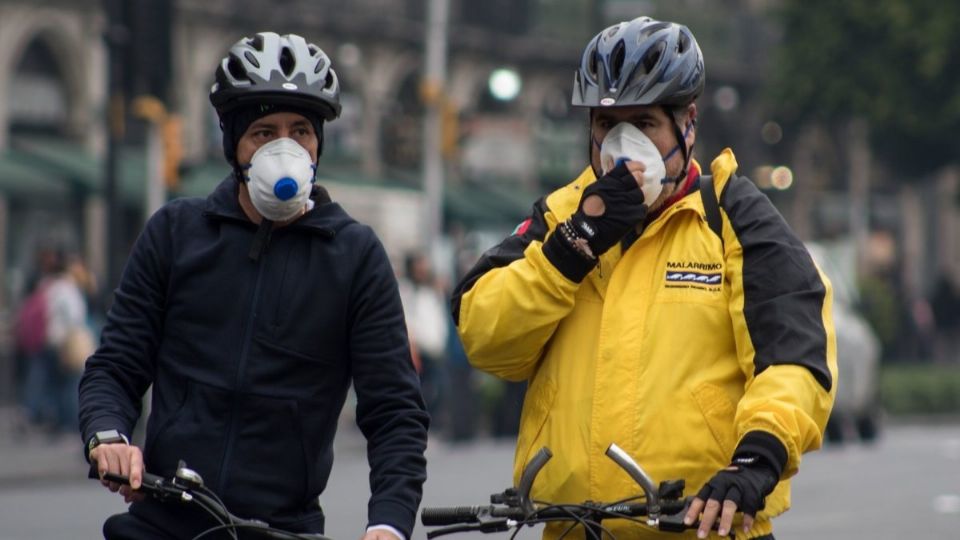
x=58, y=165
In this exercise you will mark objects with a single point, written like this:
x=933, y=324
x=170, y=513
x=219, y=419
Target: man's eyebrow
x=263, y=123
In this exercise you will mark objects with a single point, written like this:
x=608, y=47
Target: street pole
x=117, y=37
x=433, y=91
x=154, y=112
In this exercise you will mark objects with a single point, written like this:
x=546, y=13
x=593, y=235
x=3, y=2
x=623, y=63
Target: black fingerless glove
x=752, y=475
x=623, y=210
x=746, y=483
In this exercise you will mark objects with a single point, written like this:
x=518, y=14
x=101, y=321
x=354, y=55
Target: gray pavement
x=29, y=455
x=907, y=485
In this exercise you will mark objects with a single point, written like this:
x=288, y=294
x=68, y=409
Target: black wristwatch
x=109, y=436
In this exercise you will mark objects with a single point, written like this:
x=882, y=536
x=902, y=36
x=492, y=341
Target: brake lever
x=488, y=526
x=674, y=522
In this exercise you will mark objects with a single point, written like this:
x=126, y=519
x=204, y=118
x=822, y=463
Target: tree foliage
x=895, y=63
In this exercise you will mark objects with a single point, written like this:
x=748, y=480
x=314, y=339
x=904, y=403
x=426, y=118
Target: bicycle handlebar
x=187, y=487
x=664, y=506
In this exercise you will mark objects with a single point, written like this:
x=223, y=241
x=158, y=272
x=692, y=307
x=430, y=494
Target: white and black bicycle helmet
x=270, y=69
x=640, y=62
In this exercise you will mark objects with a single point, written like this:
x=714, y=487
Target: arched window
x=38, y=92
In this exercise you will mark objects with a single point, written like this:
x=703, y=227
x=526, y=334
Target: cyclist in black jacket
x=251, y=312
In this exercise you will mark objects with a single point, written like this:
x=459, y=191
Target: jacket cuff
x=392, y=514
x=566, y=259
x=765, y=445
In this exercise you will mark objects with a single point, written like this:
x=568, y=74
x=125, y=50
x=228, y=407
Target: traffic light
x=171, y=136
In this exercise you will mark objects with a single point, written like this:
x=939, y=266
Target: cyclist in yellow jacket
x=704, y=347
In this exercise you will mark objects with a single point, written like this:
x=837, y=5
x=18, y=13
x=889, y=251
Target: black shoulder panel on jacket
x=783, y=292
x=504, y=253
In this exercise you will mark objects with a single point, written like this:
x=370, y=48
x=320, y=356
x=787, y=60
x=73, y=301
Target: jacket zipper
x=241, y=367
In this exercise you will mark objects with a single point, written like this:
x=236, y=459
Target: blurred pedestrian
x=51, y=320
x=425, y=309
x=646, y=304
x=251, y=312
x=30, y=320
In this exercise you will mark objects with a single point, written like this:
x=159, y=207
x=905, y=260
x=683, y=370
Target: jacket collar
x=325, y=218
x=722, y=167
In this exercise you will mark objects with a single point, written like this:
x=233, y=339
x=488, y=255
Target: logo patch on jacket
x=696, y=275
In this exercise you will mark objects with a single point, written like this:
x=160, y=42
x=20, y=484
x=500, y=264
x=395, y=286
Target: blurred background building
x=104, y=115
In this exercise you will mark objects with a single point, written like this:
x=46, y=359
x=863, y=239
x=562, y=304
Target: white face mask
x=279, y=176
x=626, y=142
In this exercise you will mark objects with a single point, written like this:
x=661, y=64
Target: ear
x=690, y=129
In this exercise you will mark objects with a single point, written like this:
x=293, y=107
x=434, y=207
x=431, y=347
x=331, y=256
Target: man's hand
x=742, y=486
x=380, y=534
x=610, y=207
x=123, y=459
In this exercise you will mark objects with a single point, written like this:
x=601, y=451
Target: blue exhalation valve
x=285, y=188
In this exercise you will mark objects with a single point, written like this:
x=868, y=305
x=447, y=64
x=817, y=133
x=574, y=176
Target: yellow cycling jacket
x=675, y=348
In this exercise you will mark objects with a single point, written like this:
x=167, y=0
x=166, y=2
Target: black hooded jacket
x=251, y=358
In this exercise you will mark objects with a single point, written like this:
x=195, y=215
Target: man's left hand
x=742, y=486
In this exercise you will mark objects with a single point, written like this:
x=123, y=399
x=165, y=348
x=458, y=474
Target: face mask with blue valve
x=279, y=179
x=625, y=142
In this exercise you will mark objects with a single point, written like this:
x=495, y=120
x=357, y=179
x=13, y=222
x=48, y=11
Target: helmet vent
x=328, y=83
x=652, y=57
x=616, y=61
x=313, y=49
x=251, y=58
x=257, y=42
x=592, y=64
x=235, y=67
x=287, y=61
x=320, y=64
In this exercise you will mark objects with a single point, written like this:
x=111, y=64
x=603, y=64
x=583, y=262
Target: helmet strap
x=681, y=146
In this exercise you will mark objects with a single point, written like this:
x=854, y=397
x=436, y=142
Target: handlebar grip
x=116, y=478
x=147, y=478
x=449, y=515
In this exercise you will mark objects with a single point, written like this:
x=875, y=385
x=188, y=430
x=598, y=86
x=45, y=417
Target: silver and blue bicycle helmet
x=277, y=70
x=640, y=62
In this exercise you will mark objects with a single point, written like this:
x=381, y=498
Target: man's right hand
x=611, y=206
x=122, y=459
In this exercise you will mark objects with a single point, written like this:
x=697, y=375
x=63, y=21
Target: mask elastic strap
x=681, y=146
x=678, y=147
x=240, y=172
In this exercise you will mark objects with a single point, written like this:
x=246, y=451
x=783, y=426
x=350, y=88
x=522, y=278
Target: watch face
x=108, y=436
